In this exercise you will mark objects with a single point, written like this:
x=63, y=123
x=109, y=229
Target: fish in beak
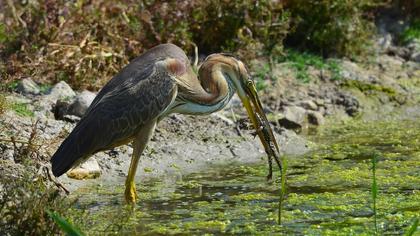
x=258, y=118
x=237, y=72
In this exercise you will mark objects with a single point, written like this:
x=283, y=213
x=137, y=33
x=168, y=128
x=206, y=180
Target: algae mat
x=329, y=192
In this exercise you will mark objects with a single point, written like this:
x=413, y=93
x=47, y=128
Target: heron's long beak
x=254, y=108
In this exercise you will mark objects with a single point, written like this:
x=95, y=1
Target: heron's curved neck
x=211, y=88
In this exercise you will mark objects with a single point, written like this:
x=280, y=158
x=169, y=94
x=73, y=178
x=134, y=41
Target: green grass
x=374, y=190
x=21, y=109
x=412, y=32
x=261, y=75
x=44, y=88
x=3, y=35
x=413, y=228
x=283, y=190
x=301, y=61
x=3, y=104
x=64, y=225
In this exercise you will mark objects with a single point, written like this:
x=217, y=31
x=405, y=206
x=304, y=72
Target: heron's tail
x=66, y=156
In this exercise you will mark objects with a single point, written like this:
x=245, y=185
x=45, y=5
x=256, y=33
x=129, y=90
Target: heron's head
x=238, y=75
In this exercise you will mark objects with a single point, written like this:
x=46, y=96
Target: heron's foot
x=130, y=193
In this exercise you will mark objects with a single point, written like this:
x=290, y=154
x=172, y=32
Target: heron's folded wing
x=116, y=116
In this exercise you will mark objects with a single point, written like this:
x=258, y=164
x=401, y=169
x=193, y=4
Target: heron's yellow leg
x=139, y=144
x=130, y=186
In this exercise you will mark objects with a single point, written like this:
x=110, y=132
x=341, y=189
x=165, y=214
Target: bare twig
x=15, y=15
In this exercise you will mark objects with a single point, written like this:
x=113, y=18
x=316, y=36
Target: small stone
x=315, y=118
x=350, y=103
x=27, y=86
x=309, y=105
x=320, y=102
x=81, y=103
x=88, y=170
x=415, y=57
x=71, y=118
x=294, y=117
x=60, y=109
x=61, y=91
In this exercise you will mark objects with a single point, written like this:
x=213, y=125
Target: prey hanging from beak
x=263, y=129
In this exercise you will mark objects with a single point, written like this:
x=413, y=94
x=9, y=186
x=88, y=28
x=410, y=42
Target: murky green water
x=329, y=192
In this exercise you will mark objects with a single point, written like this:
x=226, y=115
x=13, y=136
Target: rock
x=414, y=45
x=402, y=52
x=320, y=102
x=294, y=117
x=27, y=86
x=350, y=103
x=61, y=91
x=81, y=103
x=389, y=63
x=71, y=118
x=46, y=104
x=72, y=111
x=384, y=42
x=309, y=105
x=351, y=71
x=88, y=170
x=315, y=118
x=415, y=57
x=60, y=109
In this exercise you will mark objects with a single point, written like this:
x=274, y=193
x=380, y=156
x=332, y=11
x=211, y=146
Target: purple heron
x=159, y=82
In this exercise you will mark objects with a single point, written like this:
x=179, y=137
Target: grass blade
x=413, y=228
x=64, y=225
x=374, y=191
x=283, y=190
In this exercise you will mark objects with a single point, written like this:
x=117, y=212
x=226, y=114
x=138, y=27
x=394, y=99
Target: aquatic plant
x=283, y=189
x=374, y=190
x=413, y=228
x=64, y=225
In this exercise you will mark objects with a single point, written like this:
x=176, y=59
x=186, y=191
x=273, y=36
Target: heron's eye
x=250, y=83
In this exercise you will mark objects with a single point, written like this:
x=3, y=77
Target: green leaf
x=68, y=228
x=413, y=228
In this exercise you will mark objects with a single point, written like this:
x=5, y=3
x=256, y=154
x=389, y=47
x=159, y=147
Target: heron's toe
x=130, y=194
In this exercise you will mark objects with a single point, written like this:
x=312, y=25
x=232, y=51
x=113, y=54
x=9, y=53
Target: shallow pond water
x=328, y=192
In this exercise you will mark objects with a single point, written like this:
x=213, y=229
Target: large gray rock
x=351, y=71
x=46, y=104
x=81, y=103
x=27, y=86
x=294, y=118
x=71, y=111
x=315, y=118
x=61, y=91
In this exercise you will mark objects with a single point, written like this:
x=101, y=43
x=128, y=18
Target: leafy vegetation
x=412, y=32
x=86, y=42
x=374, y=190
x=332, y=27
x=261, y=76
x=21, y=109
x=3, y=103
x=28, y=189
x=302, y=61
x=23, y=202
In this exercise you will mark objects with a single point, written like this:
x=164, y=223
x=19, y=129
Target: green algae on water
x=329, y=192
